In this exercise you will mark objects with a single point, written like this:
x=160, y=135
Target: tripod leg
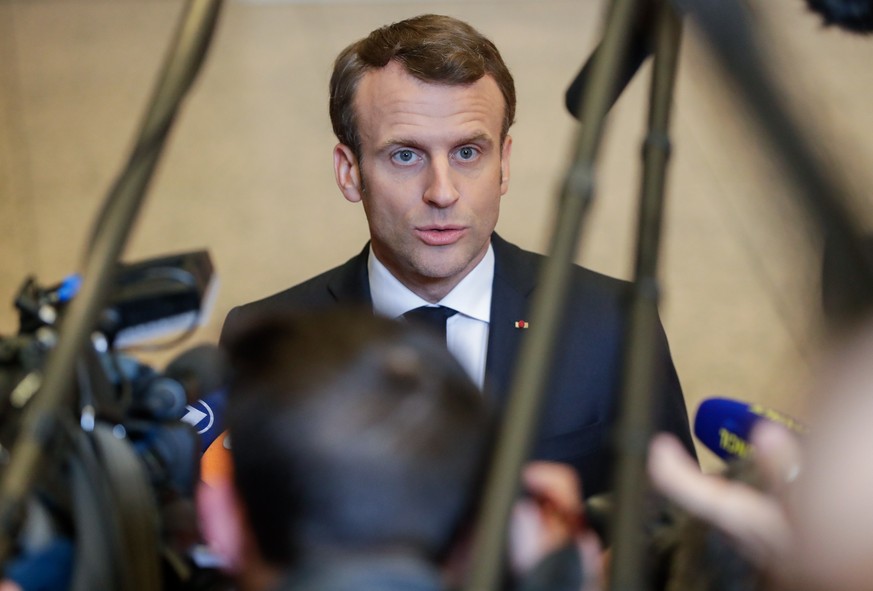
x=522, y=410
x=637, y=403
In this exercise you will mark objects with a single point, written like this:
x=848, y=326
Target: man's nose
x=441, y=190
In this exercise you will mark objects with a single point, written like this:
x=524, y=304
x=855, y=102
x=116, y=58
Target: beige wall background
x=247, y=173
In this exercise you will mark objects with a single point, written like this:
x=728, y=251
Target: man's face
x=431, y=174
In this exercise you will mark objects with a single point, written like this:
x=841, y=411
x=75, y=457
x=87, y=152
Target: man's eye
x=404, y=156
x=467, y=153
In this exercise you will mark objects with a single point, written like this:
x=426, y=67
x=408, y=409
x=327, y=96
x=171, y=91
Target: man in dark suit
x=422, y=110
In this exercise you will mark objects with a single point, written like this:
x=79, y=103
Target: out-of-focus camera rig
x=97, y=473
x=118, y=493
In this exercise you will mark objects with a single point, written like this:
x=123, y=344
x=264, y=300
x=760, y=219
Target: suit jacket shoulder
x=520, y=268
x=346, y=285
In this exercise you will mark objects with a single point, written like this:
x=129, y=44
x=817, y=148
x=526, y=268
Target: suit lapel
x=514, y=281
x=350, y=285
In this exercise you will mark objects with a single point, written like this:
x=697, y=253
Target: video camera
x=114, y=506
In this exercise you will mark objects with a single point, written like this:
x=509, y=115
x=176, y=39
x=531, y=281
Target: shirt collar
x=471, y=297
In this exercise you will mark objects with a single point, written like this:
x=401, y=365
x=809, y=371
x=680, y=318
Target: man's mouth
x=440, y=235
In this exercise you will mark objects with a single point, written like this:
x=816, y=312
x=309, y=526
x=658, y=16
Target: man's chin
x=437, y=272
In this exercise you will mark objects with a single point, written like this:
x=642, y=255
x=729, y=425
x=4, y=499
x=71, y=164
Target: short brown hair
x=433, y=48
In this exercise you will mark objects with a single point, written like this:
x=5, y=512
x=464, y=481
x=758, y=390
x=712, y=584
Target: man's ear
x=222, y=522
x=506, y=152
x=348, y=173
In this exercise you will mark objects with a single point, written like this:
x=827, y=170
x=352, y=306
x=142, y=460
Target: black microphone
x=172, y=417
x=639, y=50
x=724, y=425
x=203, y=372
x=850, y=15
x=195, y=374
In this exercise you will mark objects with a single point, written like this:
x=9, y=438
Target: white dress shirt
x=466, y=331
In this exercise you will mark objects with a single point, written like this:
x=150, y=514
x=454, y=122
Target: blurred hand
x=549, y=517
x=756, y=520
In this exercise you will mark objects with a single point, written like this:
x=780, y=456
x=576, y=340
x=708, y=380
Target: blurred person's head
x=350, y=434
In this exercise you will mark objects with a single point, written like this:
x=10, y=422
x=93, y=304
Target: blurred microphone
x=724, y=425
x=190, y=389
x=639, y=49
x=851, y=15
x=201, y=370
x=203, y=374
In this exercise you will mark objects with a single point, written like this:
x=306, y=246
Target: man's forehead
x=391, y=97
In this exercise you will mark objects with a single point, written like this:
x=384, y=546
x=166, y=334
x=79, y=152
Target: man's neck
x=392, y=297
x=431, y=289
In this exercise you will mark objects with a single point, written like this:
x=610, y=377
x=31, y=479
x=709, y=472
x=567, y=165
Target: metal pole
x=638, y=402
x=522, y=411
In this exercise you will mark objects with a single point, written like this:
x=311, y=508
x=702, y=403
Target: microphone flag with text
x=724, y=425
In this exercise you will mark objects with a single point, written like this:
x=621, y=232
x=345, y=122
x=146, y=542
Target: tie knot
x=434, y=317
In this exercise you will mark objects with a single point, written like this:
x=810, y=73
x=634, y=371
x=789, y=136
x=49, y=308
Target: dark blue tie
x=433, y=317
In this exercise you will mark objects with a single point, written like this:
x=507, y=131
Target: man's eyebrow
x=391, y=143
x=479, y=138
x=398, y=143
